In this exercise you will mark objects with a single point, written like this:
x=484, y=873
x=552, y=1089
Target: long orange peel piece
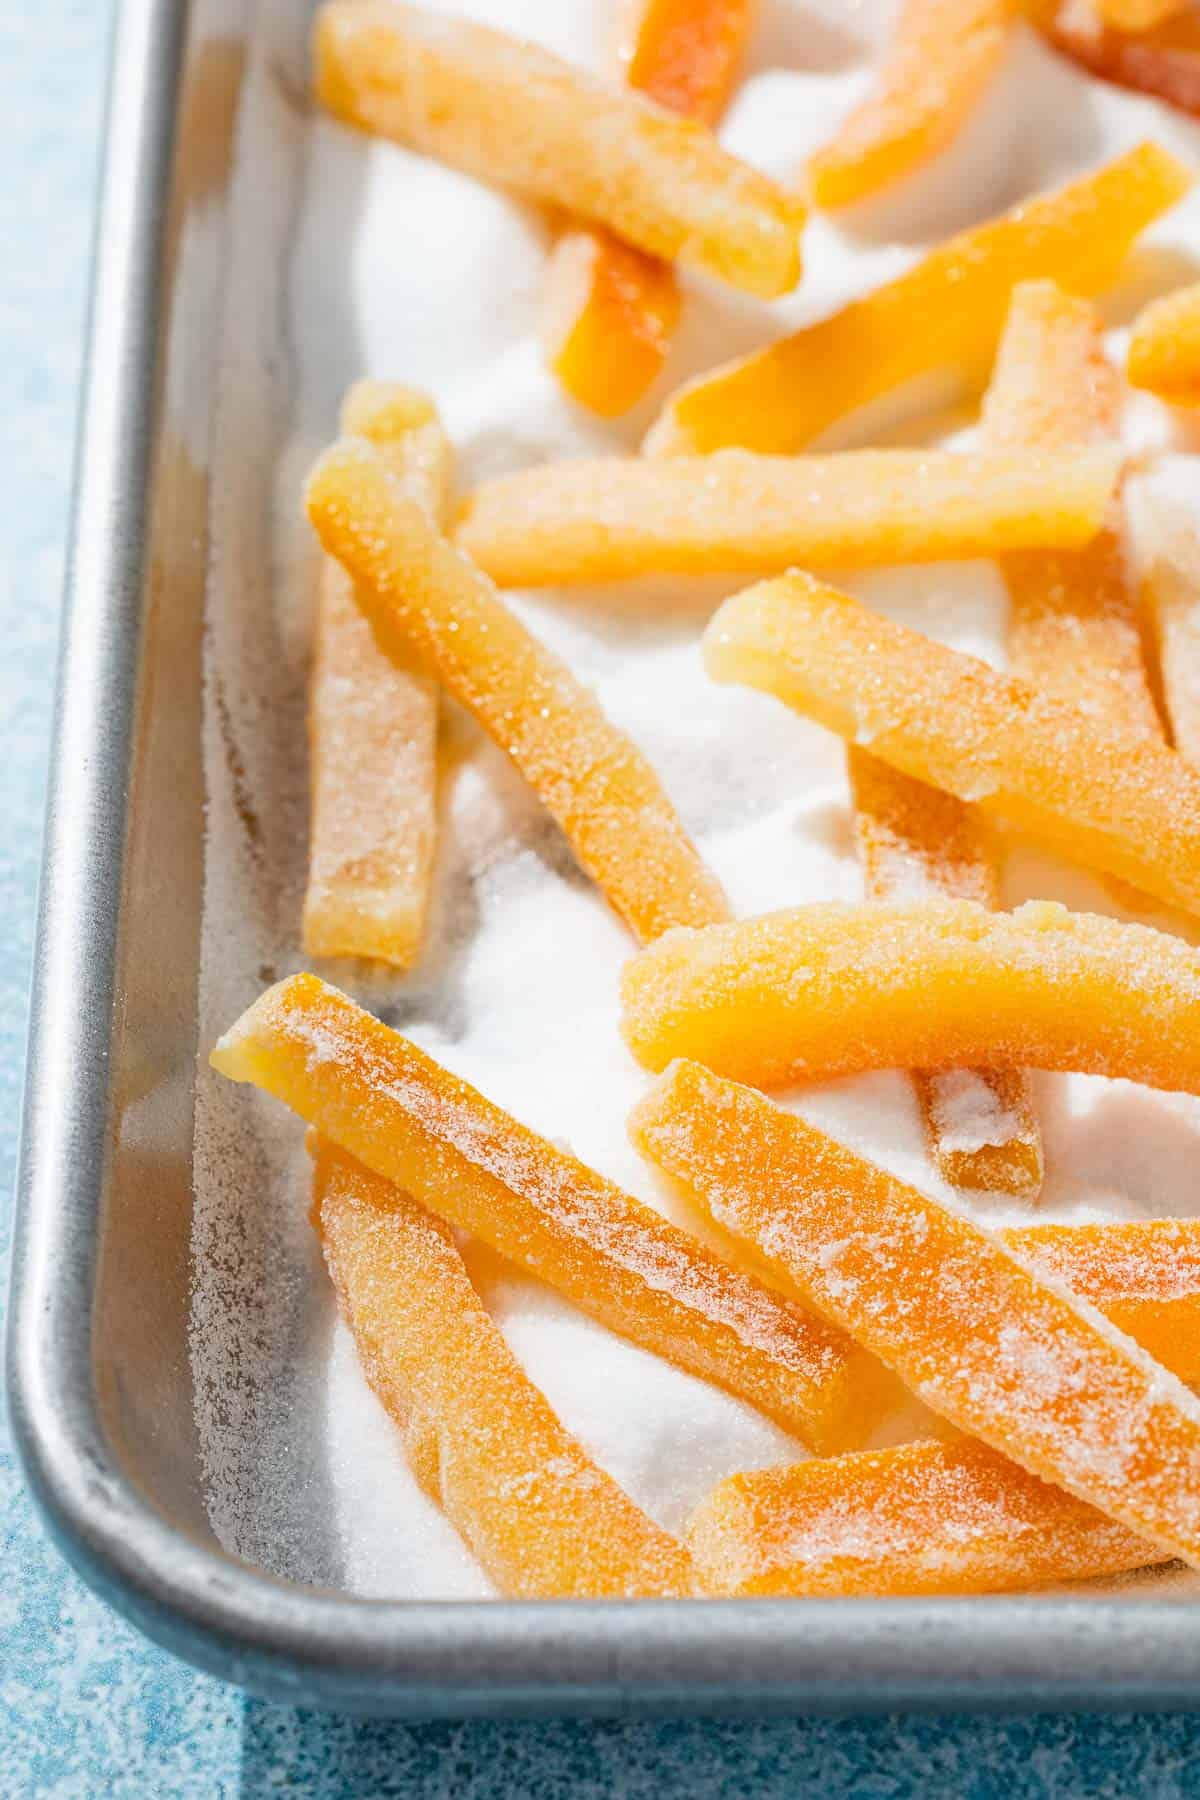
x=424, y=597
x=383, y=1101
x=946, y=312
x=514, y=115
x=970, y=1326
x=927, y=1518
x=1164, y=351
x=834, y=989
x=938, y=63
x=1106, y=796
x=620, y=517
x=610, y=311
x=373, y=727
x=535, y=1510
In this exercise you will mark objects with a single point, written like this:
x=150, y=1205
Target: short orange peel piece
x=613, y=518
x=939, y=61
x=1106, y=796
x=834, y=989
x=946, y=312
x=424, y=598
x=514, y=115
x=915, y=841
x=1164, y=351
x=373, y=728
x=610, y=310
x=970, y=1326
x=926, y=1518
x=394, y=1109
x=542, y=1519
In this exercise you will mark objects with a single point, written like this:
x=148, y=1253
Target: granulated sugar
x=352, y=258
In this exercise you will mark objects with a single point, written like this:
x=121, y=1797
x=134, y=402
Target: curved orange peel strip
x=512, y=114
x=1110, y=798
x=1164, y=351
x=534, y=1509
x=834, y=989
x=424, y=596
x=915, y=841
x=373, y=728
x=972, y=1328
x=393, y=1108
x=941, y=57
x=927, y=1518
x=610, y=311
x=616, y=517
x=946, y=312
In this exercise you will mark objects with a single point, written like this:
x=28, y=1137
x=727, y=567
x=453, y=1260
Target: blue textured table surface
x=87, y=1707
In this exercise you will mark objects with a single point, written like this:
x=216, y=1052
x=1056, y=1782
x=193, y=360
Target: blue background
x=86, y=1707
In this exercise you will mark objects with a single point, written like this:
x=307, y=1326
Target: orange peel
x=424, y=597
x=1164, y=351
x=969, y=1325
x=543, y=1520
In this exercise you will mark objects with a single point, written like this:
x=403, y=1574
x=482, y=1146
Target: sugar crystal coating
x=969, y=1325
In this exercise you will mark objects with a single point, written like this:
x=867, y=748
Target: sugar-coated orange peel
x=512, y=114
x=927, y=1518
x=610, y=311
x=616, y=517
x=946, y=312
x=424, y=597
x=1164, y=351
x=915, y=841
x=1139, y=15
x=1163, y=61
x=941, y=57
x=969, y=1325
x=373, y=727
x=834, y=989
x=1075, y=630
x=543, y=1520
x=383, y=1101
x=1109, y=797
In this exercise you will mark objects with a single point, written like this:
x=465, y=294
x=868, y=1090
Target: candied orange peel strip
x=1164, y=351
x=610, y=311
x=423, y=596
x=970, y=1326
x=834, y=989
x=927, y=1518
x=1163, y=61
x=373, y=728
x=1075, y=630
x=616, y=517
x=383, y=1101
x=916, y=841
x=534, y=1509
x=1110, y=798
x=946, y=312
x=1143, y=1274
x=1139, y=15
x=941, y=57
x=512, y=114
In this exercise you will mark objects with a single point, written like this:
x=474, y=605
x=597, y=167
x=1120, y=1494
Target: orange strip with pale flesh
x=971, y=1327
x=927, y=1518
x=543, y=1520
x=940, y=59
x=373, y=727
x=383, y=1101
x=423, y=596
x=510, y=113
x=1105, y=796
x=610, y=310
x=833, y=989
x=946, y=312
x=615, y=518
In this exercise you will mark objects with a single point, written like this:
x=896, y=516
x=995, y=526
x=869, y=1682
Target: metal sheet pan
x=98, y=1363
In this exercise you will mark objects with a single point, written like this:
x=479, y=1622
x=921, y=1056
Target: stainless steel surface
x=98, y=1362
